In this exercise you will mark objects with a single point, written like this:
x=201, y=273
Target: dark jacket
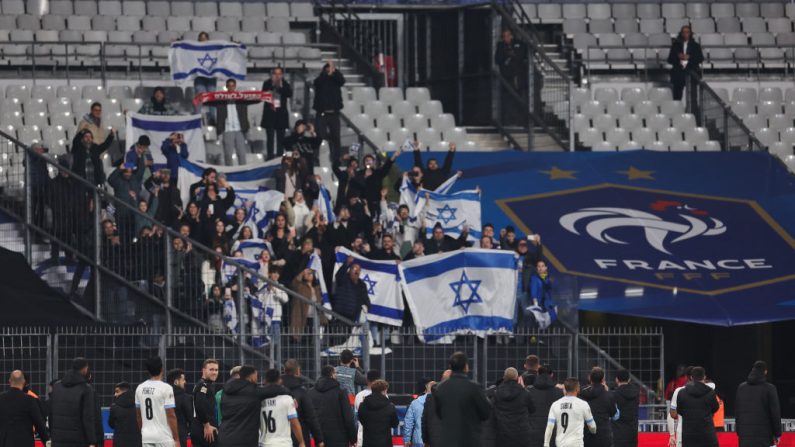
x=203, y=410
x=695, y=57
x=488, y=430
x=603, y=407
x=276, y=118
x=529, y=378
x=543, y=394
x=220, y=206
x=172, y=157
x=349, y=296
x=124, y=422
x=372, y=185
x=328, y=95
x=757, y=411
x=242, y=115
x=431, y=424
x=334, y=412
x=462, y=406
x=184, y=410
x=308, y=147
x=447, y=243
x=433, y=179
x=696, y=404
x=73, y=412
x=378, y=417
x=81, y=155
x=511, y=58
x=169, y=201
x=625, y=429
x=240, y=411
x=18, y=413
x=512, y=408
x=306, y=411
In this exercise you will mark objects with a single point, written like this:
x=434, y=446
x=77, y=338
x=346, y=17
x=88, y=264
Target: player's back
x=275, y=420
x=570, y=414
x=152, y=399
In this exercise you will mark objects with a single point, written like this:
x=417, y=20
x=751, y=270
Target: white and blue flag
x=261, y=315
x=316, y=266
x=158, y=128
x=230, y=316
x=410, y=198
x=210, y=59
x=382, y=279
x=453, y=212
x=252, y=248
x=470, y=291
x=325, y=206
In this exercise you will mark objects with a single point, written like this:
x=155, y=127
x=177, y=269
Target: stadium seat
x=603, y=146
x=592, y=108
x=61, y=7
x=86, y=7
x=390, y=95
x=683, y=121
x=658, y=122
x=605, y=95
x=443, y=122
x=228, y=24
x=681, y=146
x=645, y=109
x=617, y=136
x=550, y=12
x=604, y=122
x=363, y=95
x=580, y=122
x=766, y=136
x=590, y=136
x=648, y=11
x=780, y=121
x=696, y=136
x=388, y=122
x=403, y=109
x=630, y=122
x=709, y=146
x=643, y=136
x=575, y=11
x=416, y=122
x=771, y=9
x=375, y=109
x=754, y=122
x=431, y=108
x=278, y=24
x=618, y=108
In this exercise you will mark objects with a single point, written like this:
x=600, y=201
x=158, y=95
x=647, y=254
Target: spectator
x=203, y=84
x=169, y=197
x=232, y=127
x=440, y=242
x=19, y=412
x=304, y=141
x=122, y=418
x=351, y=293
x=304, y=284
x=158, y=105
x=508, y=241
x=531, y=365
x=203, y=429
x=215, y=308
x=488, y=231
x=214, y=207
x=275, y=119
x=73, y=408
x=398, y=225
x=299, y=389
x=685, y=57
x=127, y=182
x=461, y=405
x=92, y=121
x=432, y=175
x=327, y=106
x=757, y=411
x=679, y=381
x=387, y=250
x=544, y=393
x=627, y=398
x=345, y=176
x=299, y=212
x=511, y=59
x=378, y=417
x=240, y=408
x=174, y=148
x=372, y=376
x=183, y=401
x=486, y=243
x=349, y=375
x=85, y=149
x=603, y=408
x=696, y=404
x=417, y=251
x=117, y=308
x=148, y=208
x=432, y=430
x=197, y=190
x=64, y=198
x=333, y=409
x=274, y=298
x=412, y=422
x=541, y=286
x=513, y=408
x=291, y=174
x=371, y=178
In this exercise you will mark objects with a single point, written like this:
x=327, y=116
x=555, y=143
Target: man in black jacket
x=461, y=405
x=685, y=57
x=122, y=417
x=183, y=401
x=513, y=407
x=371, y=178
x=378, y=416
x=603, y=408
x=275, y=119
x=84, y=149
x=696, y=404
x=432, y=175
x=73, y=410
x=531, y=365
x=440, y=242
x=627, y=397
x=18, y=413
x=204, y=429
x=351, y=294
x=333, y=410
x=511, y=59
x=431, y=424
x=543, y=394
x=298, y=387
x=757, y=411
x=327, y=105
x=240, y=408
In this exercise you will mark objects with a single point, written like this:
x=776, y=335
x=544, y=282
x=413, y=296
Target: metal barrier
x=718, y=118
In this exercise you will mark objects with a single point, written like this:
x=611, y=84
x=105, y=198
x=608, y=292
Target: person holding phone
x=174, y=148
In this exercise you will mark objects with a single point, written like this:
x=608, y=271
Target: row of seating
x=673, y=26
x=251, y=24
x=557, y=13
x=661, y=146
x=147, y=37
x=166, y=8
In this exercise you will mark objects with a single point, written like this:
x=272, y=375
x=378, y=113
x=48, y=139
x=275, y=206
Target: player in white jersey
x=569, y=415
x=372, y=376
x=157, y=417
x=279, y=418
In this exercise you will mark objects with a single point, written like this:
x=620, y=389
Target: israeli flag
x=470, y=291
x=261, y=315
x=325, y=206
x=317, y=266
x=252, y=248
x=229, y=270
x=409, y=197
x=453, y=212
x=230, y=316
x=210, y=59
x=382, y=279
x=158, y=128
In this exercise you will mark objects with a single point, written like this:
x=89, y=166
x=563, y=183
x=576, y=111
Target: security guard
x=204, y=429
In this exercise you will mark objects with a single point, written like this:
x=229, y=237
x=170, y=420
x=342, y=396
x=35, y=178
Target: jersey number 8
x=148, y=407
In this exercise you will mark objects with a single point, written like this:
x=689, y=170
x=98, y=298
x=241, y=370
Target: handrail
x=172, y=233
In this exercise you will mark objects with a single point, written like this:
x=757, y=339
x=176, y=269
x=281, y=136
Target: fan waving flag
x=210, y=59
x=382, y=279
x=325, y=206
x=159, y=128
x=408, y=194
x=454, y=212
x=465, y=291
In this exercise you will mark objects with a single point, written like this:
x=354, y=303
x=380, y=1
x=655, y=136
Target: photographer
x=275, y=120
x=173, y=148
x=304, y=141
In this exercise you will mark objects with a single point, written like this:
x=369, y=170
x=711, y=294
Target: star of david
x=459, y=286
x=446, y=214
x=370, y=284
x=207, y=61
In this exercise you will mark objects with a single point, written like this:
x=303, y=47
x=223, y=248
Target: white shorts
x=161, y=444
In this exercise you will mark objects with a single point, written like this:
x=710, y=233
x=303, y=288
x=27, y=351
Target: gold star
x=556, y=174
x=634, y=173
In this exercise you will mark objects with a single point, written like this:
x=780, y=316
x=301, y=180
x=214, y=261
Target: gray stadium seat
x=375, y=109
x=305, y=10
x=610, y=39
x=769, y=108
x=363, y=95
x=254, y=9
x=746, y=56
x=78, y=23
x=779, y=121
x=584, y=41
x=202, y=23
x=403, y=109
x=785, y=39
x=220, y=35
x=443, y=122
x=28, y=22
x=109, y=8
x=61, y=7
x=636, y=40
x=719, y=10
x=182, y=9
x=253, y=24
x=618, y=108
x=603, y=146
x=648, y=11
x=52, y=22
x=684, y=121
x=624, y=11
x=579, y=96
x=652, y=26
x=228, y=24
x=632, y=95
x=727, y=25
x=617, y=136
x=278, y=9
x=128, y=23
x=766, y=136
x=388, y=122
x=660, y=40
x=415, y=122
x=134, y=8
x=745, y=94
x=779, y=25
x=294, y=38
x=670, y=135
x=86, y=7
x=600, y=11
x=672, y=107
x=574, y=27
x=659, y=94
x=267, y=38
x=696, y=10
x=673, y=26
x=178, y=23
x=600, y=26
x=207, y=9
x=789, y=10
x=781, y=149
x=625, y=26
x=754, y=25
x=431, y=108
x=644, y=136
x=574, y=11
x=158, y=8
x=703, y=25
x=278, y=25
x=550, y=12
x=754, y=122
x=606, y=95
x=390, y=95
x=417, y=95
x=580, y=122
x=681, y=146
x=46, y=35
x=771, y=10
x=763, y=39
x=711, y=39
x=630, y=122
x=747, y=9
x=658, y=122
x=673, y=10
x=104, y=23
x=590, y=136
x=153, y=23
x=604, y=122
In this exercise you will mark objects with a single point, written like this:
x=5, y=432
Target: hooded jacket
x=334, y=412
x=512, y=408
x=124, y=422
x=603, y=408
x=462, y=407
x=18, y=412
x=757, y=411
x=328, y=96
x=378, y=417
x=184, y=410
x=625, y=429
x=350, y=296
x=696, y=404
x=306, y=411
x=543, y=393
x=431, y=424
x=73, y=412
x=240, y=411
